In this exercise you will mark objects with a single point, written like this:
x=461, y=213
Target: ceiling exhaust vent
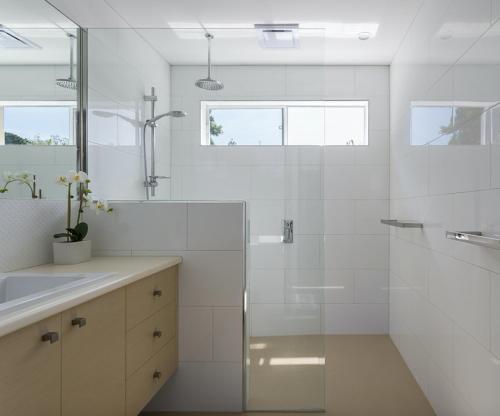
x=12, y=40
x=277, y=36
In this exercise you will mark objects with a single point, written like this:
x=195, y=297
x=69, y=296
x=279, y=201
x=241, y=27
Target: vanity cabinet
x=151, y=336
x=104, y=357
x=93, y=353
x=30, y=370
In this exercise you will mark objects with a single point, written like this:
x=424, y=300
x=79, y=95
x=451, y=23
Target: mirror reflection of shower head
x=71, y=82
x=208, y=83
x=173, y=113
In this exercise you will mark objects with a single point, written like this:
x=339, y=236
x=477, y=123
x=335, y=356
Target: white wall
x=341, y=191
x=445, y=295
x=26, y=232
x=122, y=69
x=210, y=237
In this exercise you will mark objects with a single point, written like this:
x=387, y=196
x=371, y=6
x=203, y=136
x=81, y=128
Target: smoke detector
x=278, y=36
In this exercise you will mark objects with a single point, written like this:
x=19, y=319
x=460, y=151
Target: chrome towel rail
x=477, y=238
x=402, y=224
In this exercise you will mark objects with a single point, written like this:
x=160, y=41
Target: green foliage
x=78, y=233
x=215, y=129
x=11, y=138
x=465, y=127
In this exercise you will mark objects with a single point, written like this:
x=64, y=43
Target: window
x=37, y=123
x=279, y=123
x=448, y=123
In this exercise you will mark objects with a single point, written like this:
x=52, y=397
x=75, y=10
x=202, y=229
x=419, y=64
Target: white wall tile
x=267, y=285
x=345, y=252
x=368, y=215
x=476, y=374
x=371, y=286
x=285, y=319
x=26, y=230
x=338, y=286
x=211, y=278
x=356, y=319
x=195, y=334
x=215, y=226
x=228, y=334
x=304, y=286
x=140, y=226
x=340, y=216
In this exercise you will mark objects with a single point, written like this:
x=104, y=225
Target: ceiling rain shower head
x=208, y=83
x=70, y=83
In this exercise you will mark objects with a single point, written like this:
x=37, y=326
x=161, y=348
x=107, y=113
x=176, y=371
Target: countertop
x=125, y=270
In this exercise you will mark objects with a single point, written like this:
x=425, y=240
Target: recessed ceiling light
x=364, y=35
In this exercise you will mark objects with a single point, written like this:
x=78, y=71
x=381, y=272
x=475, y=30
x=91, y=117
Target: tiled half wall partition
x=334, y=278
x=445, y=171
x=210, y=237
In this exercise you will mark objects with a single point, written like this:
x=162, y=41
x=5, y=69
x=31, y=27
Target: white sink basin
x=22, y=289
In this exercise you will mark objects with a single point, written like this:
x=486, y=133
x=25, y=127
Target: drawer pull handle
x=157, y=334
x=51, y=337
x=157, y=375
x=79, y=322
x=157, y=293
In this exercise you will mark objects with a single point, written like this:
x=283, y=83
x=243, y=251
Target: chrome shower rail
x=402, y=224
x=477, y=238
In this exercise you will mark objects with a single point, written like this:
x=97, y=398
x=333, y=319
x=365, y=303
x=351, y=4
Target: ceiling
x=328, y=28
x=43, y=25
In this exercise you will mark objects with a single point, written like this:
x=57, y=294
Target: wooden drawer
x=150, y=294
x=30, y=371
x=93, y=357
x=143, y=385
x=147, y=338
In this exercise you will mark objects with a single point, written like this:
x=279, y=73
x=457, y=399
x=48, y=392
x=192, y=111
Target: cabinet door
x=30, y=370
x=93, y=357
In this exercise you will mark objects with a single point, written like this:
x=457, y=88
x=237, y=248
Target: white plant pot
x=72, y=253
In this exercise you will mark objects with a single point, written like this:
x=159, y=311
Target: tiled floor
x=364, y=375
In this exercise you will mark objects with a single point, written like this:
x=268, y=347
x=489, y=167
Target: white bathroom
x=233, y=207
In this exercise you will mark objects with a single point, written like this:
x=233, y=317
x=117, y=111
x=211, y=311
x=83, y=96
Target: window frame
x=207, y=105
x=485, y=105
x=70, y=104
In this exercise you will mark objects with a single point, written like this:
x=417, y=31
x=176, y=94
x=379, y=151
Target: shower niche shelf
x=477, y=238
x=402, y=224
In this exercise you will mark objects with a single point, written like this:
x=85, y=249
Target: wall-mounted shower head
x=173, y=113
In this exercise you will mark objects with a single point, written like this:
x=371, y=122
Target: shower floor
x=364, y=375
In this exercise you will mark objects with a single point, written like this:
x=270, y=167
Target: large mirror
x=39, y=96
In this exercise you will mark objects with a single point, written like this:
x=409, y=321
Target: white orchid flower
x=24, y=177
x=77, y=177
x=8, y=176
x=62, y=180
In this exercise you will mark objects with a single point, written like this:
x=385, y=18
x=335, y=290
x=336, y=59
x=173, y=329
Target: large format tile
x=211, y=278
x=195, y=334
x=215, y=226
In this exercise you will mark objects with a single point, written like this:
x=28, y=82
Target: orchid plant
x=22, y=178
x=81, y=183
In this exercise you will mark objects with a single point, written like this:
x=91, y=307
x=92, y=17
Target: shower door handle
x=287, y=231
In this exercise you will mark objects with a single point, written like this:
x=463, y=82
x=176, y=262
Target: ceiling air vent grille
x=277, y=36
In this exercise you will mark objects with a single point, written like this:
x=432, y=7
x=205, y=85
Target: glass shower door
x=285, y=366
